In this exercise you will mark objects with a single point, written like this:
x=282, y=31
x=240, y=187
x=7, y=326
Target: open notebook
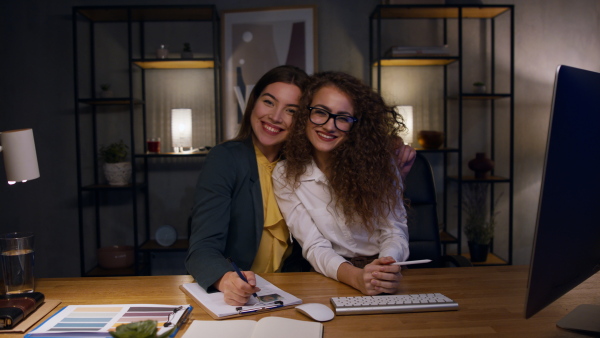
x=270, y=298
x=268, y=327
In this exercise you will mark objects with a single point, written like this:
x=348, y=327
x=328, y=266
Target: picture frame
x=257, y=40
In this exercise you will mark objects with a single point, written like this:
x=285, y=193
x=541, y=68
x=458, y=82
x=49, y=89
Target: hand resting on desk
x=236, y=292
x=377, y=277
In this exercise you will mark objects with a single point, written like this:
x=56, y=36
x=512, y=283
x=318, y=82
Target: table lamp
x=407, y=115
x=181, y=128
x=20, y=158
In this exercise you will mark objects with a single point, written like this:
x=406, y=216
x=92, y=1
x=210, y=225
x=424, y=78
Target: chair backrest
x=421, y=205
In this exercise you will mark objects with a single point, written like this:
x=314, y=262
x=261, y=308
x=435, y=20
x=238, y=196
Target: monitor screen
x=566, y=248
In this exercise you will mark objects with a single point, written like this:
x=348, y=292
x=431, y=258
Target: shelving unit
x=448, y=26
x=111, y=43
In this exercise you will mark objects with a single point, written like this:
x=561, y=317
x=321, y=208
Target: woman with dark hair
x=235, y=213
x=339, y=189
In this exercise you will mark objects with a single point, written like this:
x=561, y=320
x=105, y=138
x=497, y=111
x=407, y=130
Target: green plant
x=142, y=329
x=114, y=152
x=479, y=226
x=478, y=84
x=105, y=86
x=187, y=47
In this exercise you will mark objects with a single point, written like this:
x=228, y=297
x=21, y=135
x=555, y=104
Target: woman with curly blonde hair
x=339, y=189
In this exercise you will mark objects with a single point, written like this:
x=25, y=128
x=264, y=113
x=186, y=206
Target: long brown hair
x=363, y=177
x=286, y=74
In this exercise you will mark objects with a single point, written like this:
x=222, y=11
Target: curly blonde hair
x=363, y=177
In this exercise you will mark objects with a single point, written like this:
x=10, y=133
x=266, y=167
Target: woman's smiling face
x=327, y=137
x=272, y=116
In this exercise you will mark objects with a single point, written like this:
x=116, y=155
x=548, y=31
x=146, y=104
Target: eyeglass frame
x=330, y=115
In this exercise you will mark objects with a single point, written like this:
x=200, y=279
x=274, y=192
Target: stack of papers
x=99, y=320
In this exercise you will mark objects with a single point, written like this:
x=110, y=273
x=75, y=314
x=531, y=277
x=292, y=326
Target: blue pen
x=239, y=273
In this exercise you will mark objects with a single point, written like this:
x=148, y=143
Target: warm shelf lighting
x=181, y=128
x=407, y=114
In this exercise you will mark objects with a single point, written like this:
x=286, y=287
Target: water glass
x=16, y=256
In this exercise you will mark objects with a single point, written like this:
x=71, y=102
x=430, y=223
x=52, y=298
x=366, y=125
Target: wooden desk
x=491, y=299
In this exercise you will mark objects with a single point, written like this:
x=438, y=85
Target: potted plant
x=116, y=169
x=478, y=87
x=479, y=221
x=187, y=51
x=105, y=91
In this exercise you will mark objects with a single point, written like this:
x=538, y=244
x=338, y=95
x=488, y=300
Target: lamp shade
x=181, y=128
x=407, y=114
x=20, y=158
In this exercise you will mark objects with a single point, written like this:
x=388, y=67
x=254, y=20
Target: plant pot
x=117, y=173
x=479, y=89
x=430, y=139
x=187, y=55
x=479, y=252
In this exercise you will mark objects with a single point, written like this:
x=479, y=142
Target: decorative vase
x=479, y=252
x=430, y=139
x=481, y=165
x=117, y=173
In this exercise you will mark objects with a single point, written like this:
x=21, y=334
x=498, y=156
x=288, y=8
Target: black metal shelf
x=452, y=151
x=132, y=110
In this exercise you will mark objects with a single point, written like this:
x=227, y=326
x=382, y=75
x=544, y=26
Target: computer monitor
x=566, y=248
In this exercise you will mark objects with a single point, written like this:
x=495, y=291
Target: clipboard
x=215, y=306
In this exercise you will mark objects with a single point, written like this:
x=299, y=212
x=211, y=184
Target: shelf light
x=407, y=115
x=181, y=128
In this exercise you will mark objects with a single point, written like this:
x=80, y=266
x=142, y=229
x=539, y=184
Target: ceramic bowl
x=430, y=139
x=116, y=256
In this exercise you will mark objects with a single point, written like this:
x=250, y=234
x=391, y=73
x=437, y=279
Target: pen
x=239, y=273
x=420, y=261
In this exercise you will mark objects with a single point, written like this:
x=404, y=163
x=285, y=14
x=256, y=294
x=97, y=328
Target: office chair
x=421, y=206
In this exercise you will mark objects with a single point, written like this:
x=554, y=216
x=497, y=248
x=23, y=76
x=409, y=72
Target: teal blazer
x=227, y=218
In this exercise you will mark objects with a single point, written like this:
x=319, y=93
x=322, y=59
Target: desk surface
x=491, y=301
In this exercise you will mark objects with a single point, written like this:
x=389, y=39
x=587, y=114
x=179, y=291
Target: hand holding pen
x=237, y=286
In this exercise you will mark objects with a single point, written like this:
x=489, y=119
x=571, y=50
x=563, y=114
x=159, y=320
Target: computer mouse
x=316, y=311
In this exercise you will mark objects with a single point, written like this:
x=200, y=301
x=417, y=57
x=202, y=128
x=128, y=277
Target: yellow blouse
x=274, y=245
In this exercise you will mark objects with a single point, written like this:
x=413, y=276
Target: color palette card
x=99, y=320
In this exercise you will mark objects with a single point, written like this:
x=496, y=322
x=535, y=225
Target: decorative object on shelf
x=479, y=88
x=115, y=257
x=479, y=227
x=187, y=51
x=407, y=118
x=153, y=145
x=105, y=91
x=430, y=139
x=481, y=165
x=166, y=235
x=181, y=128
x=162, y=52
x=20, y=157
x=116, y=169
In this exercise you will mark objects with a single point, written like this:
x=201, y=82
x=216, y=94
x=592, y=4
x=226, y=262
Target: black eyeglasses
x=342, y=122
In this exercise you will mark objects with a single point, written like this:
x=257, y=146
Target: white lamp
x=407, y=115
x=181, y=128
x=20, y=158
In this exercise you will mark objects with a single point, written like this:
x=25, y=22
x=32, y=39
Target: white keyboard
x=392, y=304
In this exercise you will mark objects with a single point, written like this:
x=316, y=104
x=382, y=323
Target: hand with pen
x=237, y=286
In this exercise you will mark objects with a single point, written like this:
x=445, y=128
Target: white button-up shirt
x=321, y=229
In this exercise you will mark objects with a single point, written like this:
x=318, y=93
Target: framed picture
x=255, y=41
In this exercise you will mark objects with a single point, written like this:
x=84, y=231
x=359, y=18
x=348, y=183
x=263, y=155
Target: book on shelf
x=267, y=327
x=399, y=51
x=100, y=320
x=269, y=298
